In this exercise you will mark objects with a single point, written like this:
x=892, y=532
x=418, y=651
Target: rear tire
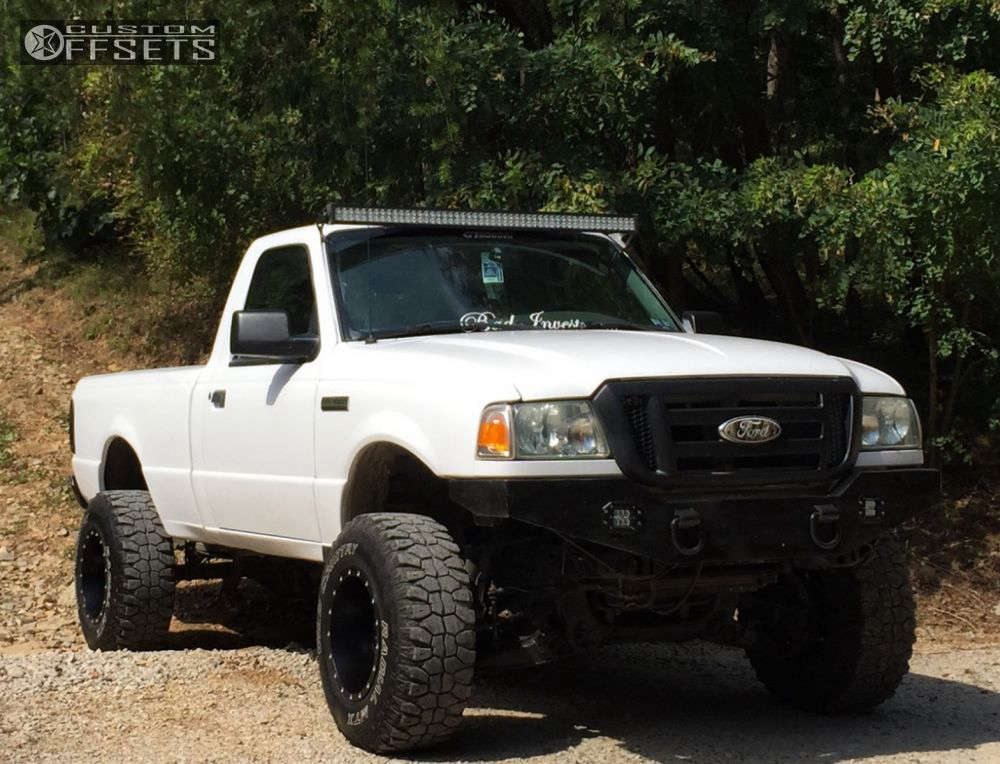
x=835, y=641
x=395, y=632
x=124, y=573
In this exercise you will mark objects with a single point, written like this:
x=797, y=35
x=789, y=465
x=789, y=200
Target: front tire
x=835, y=641
x=395, y=632
x=124, y=573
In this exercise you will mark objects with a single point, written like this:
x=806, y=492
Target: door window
x=282, y=281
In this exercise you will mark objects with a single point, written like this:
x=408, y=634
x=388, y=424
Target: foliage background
x=821, y=171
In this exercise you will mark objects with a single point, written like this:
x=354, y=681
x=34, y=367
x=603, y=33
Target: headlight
x=547, y=430
x=558, y=429
x=889, y=422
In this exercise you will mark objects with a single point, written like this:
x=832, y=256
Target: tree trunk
x=531, y=17
x=933, y=384
x=773, y=69
x=962, y=367
x=787, y=285
x=840, y=85
x=750, y=109
x=718, y=299
x=948, y=416
x=752, y=302
x=665, y=268
x=885, y=79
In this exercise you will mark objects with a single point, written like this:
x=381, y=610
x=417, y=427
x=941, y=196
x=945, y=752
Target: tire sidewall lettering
x=343, y=552
x=368, y=709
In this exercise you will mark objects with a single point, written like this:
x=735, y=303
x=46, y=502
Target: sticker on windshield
x=492, y=269
x=537, y=320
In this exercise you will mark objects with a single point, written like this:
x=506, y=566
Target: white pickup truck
x=499, y=445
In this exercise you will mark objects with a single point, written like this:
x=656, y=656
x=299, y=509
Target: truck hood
x=561, y=364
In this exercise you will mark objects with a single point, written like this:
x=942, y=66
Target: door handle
x=333, y=403
x=218, y=398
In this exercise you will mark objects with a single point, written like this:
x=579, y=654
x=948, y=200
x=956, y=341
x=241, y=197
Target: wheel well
x=388, y=478
x=122, y=469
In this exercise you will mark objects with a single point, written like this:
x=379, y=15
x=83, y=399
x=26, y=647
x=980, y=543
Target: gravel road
x=661, y=703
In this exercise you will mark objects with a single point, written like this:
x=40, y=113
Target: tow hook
x=686, y=532
x=824, y=526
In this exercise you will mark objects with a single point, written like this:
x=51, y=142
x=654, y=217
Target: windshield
x=404, y=283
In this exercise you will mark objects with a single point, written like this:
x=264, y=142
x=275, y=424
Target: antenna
x=370, y=339
x=325, y=217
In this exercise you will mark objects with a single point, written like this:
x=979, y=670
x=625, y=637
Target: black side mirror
x=262, y=336
x=703, y=321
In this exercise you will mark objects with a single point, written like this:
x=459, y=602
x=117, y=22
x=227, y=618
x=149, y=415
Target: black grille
x=635, y=410
x=670, y=428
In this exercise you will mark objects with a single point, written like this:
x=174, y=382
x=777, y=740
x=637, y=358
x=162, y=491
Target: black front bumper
x=805, y=524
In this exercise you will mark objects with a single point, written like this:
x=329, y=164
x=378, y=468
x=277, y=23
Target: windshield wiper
x=624, y=325
x=429, y=328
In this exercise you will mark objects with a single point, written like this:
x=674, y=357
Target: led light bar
x=464, y=219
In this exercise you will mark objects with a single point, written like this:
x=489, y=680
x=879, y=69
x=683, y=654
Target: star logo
x=44, y=42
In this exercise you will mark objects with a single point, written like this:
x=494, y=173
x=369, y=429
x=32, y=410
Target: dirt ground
x=237, y=683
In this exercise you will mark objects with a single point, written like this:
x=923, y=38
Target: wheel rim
x=355, y=647
x=95, y=574
x=790, y=618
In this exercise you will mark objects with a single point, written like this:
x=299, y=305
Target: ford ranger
x=498, y=445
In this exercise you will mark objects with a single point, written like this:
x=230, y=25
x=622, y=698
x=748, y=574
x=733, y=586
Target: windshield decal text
x=537, y=320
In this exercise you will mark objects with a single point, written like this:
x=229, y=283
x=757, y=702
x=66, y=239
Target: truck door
x=252, y=425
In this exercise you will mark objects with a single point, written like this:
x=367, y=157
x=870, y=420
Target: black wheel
x=835, y=641
x=124, y=573
x=395, y=632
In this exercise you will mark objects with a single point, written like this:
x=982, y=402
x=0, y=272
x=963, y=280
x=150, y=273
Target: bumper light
x=889, y=422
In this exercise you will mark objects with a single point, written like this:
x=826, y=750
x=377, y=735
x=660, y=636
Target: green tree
x=929, y=232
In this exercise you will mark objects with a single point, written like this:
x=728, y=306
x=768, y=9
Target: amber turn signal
x=494, y=433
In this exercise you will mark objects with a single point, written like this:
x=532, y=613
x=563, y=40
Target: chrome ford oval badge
x=749, y=429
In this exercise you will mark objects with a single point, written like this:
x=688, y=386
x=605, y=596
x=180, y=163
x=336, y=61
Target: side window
x=282, y=281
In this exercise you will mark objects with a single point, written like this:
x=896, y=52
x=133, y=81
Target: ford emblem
x=749, y=429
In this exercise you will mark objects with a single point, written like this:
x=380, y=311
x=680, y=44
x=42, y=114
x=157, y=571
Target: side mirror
x=263, y=336
x=703, y=322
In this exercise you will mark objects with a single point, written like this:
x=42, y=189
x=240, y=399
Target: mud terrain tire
x=836, y=641
x=124, y=573
x=395, y=632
